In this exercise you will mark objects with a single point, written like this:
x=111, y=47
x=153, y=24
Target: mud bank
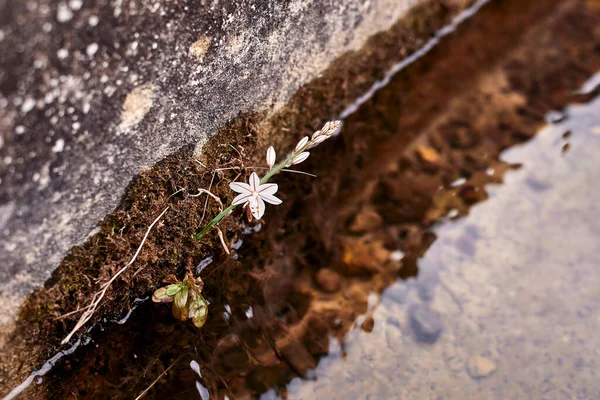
x=306, y=274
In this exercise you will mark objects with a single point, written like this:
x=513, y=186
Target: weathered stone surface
x=426, y=324
x=92, y=93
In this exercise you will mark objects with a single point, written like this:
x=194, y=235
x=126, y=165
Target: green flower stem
x=275, y=170
x=214, y=221
x=263, y=180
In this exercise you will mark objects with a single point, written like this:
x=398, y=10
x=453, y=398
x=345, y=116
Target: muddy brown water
x=434, y=256
x=506, y=304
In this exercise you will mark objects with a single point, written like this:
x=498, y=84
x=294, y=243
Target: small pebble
x=426, y=324
x=480, y=367
x=368, y=324
x=429, y=157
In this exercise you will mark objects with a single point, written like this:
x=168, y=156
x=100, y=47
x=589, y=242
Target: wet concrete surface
x=515, y=284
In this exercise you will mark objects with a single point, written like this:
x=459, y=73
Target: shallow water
x=501, y=298
x=513, y=290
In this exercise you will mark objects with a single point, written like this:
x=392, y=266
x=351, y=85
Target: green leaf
x=173, y=289
x=161, y=296
x=181, y=298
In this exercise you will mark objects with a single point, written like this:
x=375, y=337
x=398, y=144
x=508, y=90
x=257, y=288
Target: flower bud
x=271, y=157
x=321, y=139
x=331, y=127
x=300, y=157
x=301, y=143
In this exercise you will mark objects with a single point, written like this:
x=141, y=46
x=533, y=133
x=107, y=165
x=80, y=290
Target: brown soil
x=307, y=272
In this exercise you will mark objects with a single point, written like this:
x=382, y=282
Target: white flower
x=255, y=194
x=271, y=157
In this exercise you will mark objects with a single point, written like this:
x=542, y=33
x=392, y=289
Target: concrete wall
x=93, y=91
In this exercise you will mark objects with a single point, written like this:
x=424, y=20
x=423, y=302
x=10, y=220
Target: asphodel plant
x=258, y=191
x=186, y=295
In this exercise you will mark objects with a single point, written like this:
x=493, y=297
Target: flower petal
x=269, y=198
x=271, y=157
x=254, y=182
x=301, y=143
x=268, y=188
x=240, y=187
x=258, y=208
x=300, y=157
x=241, y=198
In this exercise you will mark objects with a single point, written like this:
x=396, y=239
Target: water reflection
x=507, y=303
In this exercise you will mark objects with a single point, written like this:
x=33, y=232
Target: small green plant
x=187, y=299
x=186, y=296
x=257, y=191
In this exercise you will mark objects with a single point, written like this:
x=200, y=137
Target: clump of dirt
x=305, y=275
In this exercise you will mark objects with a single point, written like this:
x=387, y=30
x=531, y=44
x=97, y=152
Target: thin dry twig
x=198, y=161
x=179, y=191
x=70, y=313
x=200, y=191
x=222, y=239
x=158, y=378
x=212, y=179
x=98, y=296
x=237, y=151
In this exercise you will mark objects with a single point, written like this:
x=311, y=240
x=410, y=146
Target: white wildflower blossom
x=254, y=194
x=271, y=157
x=300, y=158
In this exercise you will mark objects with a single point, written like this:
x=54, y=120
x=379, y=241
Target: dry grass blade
x=158, y=378
x=98, y=296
